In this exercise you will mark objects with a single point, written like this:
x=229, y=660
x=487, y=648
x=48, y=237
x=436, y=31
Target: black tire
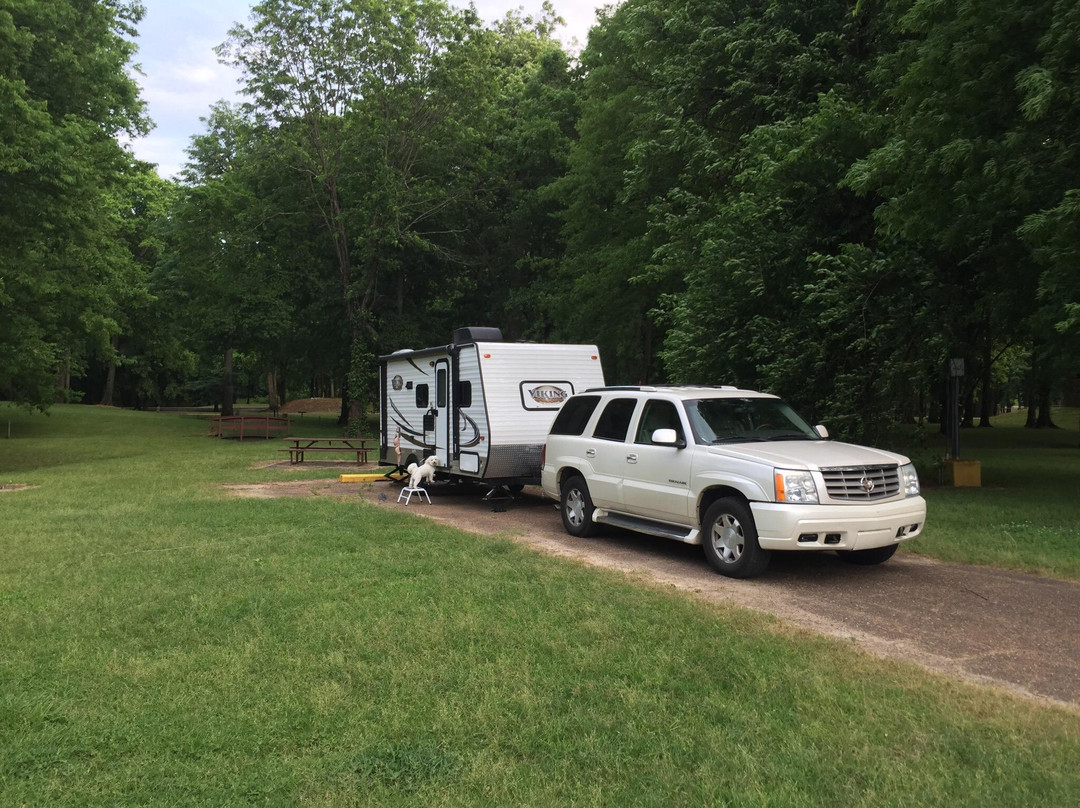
x=576, y=507
x=729, y=537
x=515, y=488
x=866, y=558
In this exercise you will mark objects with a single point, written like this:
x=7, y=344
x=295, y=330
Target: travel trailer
x=482, y=406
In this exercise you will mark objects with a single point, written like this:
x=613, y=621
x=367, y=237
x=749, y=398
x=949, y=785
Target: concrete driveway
x=1004, y=629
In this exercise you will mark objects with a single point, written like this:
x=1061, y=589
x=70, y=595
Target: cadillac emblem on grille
x=867, y=485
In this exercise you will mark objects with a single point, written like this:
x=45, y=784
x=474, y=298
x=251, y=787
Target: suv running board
x=687, y=535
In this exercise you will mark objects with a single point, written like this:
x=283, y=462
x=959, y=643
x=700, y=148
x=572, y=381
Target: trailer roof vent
x=463, y=336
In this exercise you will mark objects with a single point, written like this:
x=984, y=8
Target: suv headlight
x=909, y=480
x=796, y=487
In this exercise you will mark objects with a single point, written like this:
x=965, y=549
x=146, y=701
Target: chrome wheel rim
x=575, y=507
x=728, y=539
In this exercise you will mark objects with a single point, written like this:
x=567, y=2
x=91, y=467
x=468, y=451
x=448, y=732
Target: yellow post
x=963, y=473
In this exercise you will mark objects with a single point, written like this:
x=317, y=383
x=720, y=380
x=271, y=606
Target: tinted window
x=421, y=395
x=615, y=419
x=658, y=415
x=440, y=387
x=735, y=420
x=574, y=415
x=464, y=397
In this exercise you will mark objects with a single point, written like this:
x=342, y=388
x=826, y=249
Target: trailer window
x=421, y=395
x=615, y=419
x=440, y=387
x=574, y=415
x=464, y=396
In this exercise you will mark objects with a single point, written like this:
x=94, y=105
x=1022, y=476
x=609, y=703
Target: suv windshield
x=735, y=420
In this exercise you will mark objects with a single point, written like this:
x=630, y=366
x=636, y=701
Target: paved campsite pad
x=1005, y=629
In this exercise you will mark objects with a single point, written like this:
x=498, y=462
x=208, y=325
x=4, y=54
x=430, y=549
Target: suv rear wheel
x=729, y=537
x=576, y=507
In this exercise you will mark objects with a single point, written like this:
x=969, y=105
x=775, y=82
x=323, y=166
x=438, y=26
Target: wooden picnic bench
x=300, y=446
x=251, y=426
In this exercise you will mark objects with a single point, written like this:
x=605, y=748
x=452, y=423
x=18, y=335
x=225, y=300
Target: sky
x=181, y=77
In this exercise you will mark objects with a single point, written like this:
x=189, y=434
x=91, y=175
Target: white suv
x=737, y=471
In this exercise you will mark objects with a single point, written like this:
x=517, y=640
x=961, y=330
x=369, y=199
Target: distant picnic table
x=251, y=426
x=358, y=446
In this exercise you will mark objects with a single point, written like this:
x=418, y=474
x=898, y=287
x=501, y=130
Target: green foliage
x=65, y=96
x=821, y=201
x=383, y=113
x=979, y=156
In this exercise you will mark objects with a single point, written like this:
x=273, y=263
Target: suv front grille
x=862, y=482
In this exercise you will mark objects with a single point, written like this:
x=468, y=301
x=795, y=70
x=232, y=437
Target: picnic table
x=253, y=426
x=358, y=446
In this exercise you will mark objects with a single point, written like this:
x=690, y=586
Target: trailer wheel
x=577, y=508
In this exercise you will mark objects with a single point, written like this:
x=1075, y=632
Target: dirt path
x=1004, y=629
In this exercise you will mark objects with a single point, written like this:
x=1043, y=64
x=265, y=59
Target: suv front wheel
x=576, y=507
x=729, y=536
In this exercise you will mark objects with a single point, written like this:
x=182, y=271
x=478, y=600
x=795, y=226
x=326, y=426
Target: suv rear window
x=574, y=415
x=615, y=419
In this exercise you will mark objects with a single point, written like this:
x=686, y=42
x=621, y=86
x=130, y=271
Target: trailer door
x=443, y=412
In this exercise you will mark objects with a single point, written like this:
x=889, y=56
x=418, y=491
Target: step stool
x=407, y=493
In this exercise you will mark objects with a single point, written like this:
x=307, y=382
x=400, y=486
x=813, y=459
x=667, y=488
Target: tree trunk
x=986, y=399
x=110, y=374
x=941, y=406
x=63, y=378
x=272, y=400
x=343, y=416
x=1044, y=421
x=227, y=384
x=969, y=407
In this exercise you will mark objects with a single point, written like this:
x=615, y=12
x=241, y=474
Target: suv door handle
x=631, y=458
x=590, y=452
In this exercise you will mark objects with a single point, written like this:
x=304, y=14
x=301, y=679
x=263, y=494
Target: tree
x=224, y=274
x=65, y=96
x=354, y=85
x=978, y=168
x=599, y=291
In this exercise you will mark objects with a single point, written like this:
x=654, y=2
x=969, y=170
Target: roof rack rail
x=655, y=388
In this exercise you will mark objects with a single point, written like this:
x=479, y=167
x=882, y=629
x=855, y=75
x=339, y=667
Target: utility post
x=961, y=473
x=956, y=373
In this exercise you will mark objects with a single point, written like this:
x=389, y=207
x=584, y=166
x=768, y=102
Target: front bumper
x=838, y=527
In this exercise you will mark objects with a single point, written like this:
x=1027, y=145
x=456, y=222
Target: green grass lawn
x=162, y=644
x=1026, y=515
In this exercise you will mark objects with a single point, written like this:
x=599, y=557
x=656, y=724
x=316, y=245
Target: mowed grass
x=1026, y=515
x=165, y=644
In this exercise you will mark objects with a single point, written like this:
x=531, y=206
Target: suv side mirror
x=667, y=437
x=822, y=431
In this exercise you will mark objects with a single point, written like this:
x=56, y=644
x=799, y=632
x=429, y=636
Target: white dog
x=423, y=472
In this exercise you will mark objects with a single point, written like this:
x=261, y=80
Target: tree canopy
x=822, y=201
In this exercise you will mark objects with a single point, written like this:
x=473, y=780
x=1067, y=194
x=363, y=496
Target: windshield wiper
x=738, y=439
x=793, y=436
